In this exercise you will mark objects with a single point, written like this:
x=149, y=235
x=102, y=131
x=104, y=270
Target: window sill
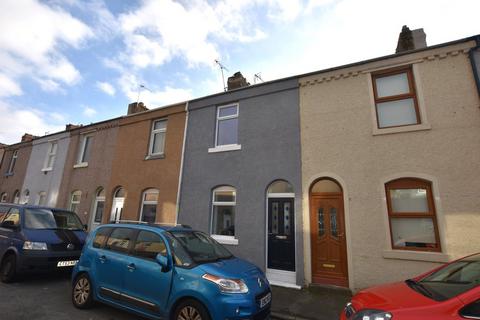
x=225, y=239
x=416, y=255
x=81, y=165
x=230, y=147
x=155, y=156
x=46, y=169
x=8, y=174
x=415, y=127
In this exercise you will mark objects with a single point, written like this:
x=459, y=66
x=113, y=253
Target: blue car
x=34, y=238
x=168, y=272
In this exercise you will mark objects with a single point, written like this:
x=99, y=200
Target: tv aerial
x=257, y=77
x=222, y=67
x=140, y=87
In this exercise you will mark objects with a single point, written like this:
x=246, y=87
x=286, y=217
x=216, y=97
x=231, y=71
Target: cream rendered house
x=391, y=165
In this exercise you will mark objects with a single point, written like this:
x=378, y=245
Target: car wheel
x=8, y=269
x=82, y=292
x=191, y=310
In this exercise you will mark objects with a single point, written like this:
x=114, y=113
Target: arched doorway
x=117, y=204
x=281, y=266
x=327, y=233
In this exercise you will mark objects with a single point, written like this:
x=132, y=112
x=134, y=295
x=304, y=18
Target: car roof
x=148, y=226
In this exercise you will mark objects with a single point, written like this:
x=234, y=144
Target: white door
x=117, y=209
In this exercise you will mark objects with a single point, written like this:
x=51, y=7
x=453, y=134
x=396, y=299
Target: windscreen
x=51, y=219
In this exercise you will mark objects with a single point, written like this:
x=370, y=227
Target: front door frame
x=281, y=277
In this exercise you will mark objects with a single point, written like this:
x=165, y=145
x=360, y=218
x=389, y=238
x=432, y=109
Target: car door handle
x=102, y=259
x=131, y=267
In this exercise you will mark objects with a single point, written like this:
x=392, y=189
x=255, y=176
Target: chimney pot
x=136, y=107
x=237, y=81
x=411, y=39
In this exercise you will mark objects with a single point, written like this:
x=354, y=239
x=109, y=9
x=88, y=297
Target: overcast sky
x=82, y=61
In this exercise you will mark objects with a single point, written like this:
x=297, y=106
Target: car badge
x=259, y=282
x=70, y=246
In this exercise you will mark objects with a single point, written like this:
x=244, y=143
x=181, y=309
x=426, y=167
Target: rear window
x=120, y=239
x=100, y=236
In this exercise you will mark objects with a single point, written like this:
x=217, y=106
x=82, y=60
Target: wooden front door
x=327, y=229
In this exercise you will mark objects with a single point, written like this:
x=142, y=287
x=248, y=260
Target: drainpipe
x=475, y=67
x=180, y=175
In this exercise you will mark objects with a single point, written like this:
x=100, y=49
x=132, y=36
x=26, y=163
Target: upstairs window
x=411, y=212
x=227, y=125
x=149, y=205
x=13, y=160
x=51, y=153
x=223, y=206
x=157, y=138
x=395, y=98
x=84, y=151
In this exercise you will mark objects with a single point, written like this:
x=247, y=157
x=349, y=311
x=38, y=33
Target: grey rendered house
x=241, y=178
x=45, y=168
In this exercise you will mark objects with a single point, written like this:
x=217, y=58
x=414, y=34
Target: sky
x=83, y=61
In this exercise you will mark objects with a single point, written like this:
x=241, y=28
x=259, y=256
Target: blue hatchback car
x=34, y=238
x=168, y=272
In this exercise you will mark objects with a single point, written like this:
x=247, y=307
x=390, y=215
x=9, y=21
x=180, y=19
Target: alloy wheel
x=81, y=291
x=189, y=313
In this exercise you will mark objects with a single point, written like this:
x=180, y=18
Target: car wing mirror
x=9, y=225
x=164, y=262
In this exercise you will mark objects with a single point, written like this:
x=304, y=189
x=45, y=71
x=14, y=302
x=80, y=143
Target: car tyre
x=191, y=310
x=82, y=292
x=8, y=269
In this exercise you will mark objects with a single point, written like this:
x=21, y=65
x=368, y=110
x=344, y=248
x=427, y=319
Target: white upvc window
x=224, y=201
x=227, y=126
x=157, y=138
x=13, y=160
x=149, y=205
x=51, y=154
x=75, y=200
x=41, y=198
x=84, y=151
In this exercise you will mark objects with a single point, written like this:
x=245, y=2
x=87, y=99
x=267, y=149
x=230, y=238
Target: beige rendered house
x=391, y=165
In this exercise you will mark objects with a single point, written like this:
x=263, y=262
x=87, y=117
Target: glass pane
x=158, y=143
x=227, y=111
x=42, y=200
x=392, y=85
x=321, y=222
x=100, y=237
x=120, y=193
x=99, y=212
x=286, y=218
x=74, y=207
x=280, y=187
x=86, y=149
x=51, y=158
x=224, y=220
x=396, y=113
x=120, y=239
x=409, y=200
x=101, y=193
x=275, y=217
x=148, y=245
x=162, y=124
x=413, y=232
x=76, y=196
x=326, y=185
x=149, y=212
x=53, y=147
x=151, y=196
x=224, y=196
x=333, y=222
x=227, y=131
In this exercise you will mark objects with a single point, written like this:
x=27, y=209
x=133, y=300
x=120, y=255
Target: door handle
x=102, y=259
x=131, y=267
x=281, y=237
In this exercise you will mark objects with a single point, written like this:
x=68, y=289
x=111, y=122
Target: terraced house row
x=350, y=176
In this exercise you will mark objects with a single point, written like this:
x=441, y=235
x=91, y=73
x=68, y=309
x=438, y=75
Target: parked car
x=34, y=238
x=168, y=272
x=449, y=292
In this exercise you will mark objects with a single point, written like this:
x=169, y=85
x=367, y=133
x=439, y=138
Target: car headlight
x=227, y=285
x=371, y=314
x=29, y=245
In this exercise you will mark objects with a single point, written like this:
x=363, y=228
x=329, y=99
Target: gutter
x=475, y=67
x=180, y=174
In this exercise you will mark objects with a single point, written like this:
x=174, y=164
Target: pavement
x=47, y=296
x=312, y=303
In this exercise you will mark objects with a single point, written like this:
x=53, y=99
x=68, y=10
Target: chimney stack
x=237, y=81
x=70, y=126
x=27, y=137
x=136, y=107
x=411, y=39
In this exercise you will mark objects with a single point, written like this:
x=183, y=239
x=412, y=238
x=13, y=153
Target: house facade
x=45, y=168
x=241, y=178
x=146, y=165
x=12, y=171
x=87, y=170
x=390, y=165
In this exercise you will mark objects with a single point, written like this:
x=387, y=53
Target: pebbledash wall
x=137, y=170
x=90, y=175
x=43, y=178
x=268, y=149
x=341, y=141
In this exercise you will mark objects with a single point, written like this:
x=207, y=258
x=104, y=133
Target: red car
x=449, y=292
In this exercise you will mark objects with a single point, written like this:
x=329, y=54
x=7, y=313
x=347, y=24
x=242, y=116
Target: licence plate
x=67, y=263
x=266, y=300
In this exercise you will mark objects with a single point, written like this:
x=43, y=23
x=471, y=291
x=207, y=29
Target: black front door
x=281, y=234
